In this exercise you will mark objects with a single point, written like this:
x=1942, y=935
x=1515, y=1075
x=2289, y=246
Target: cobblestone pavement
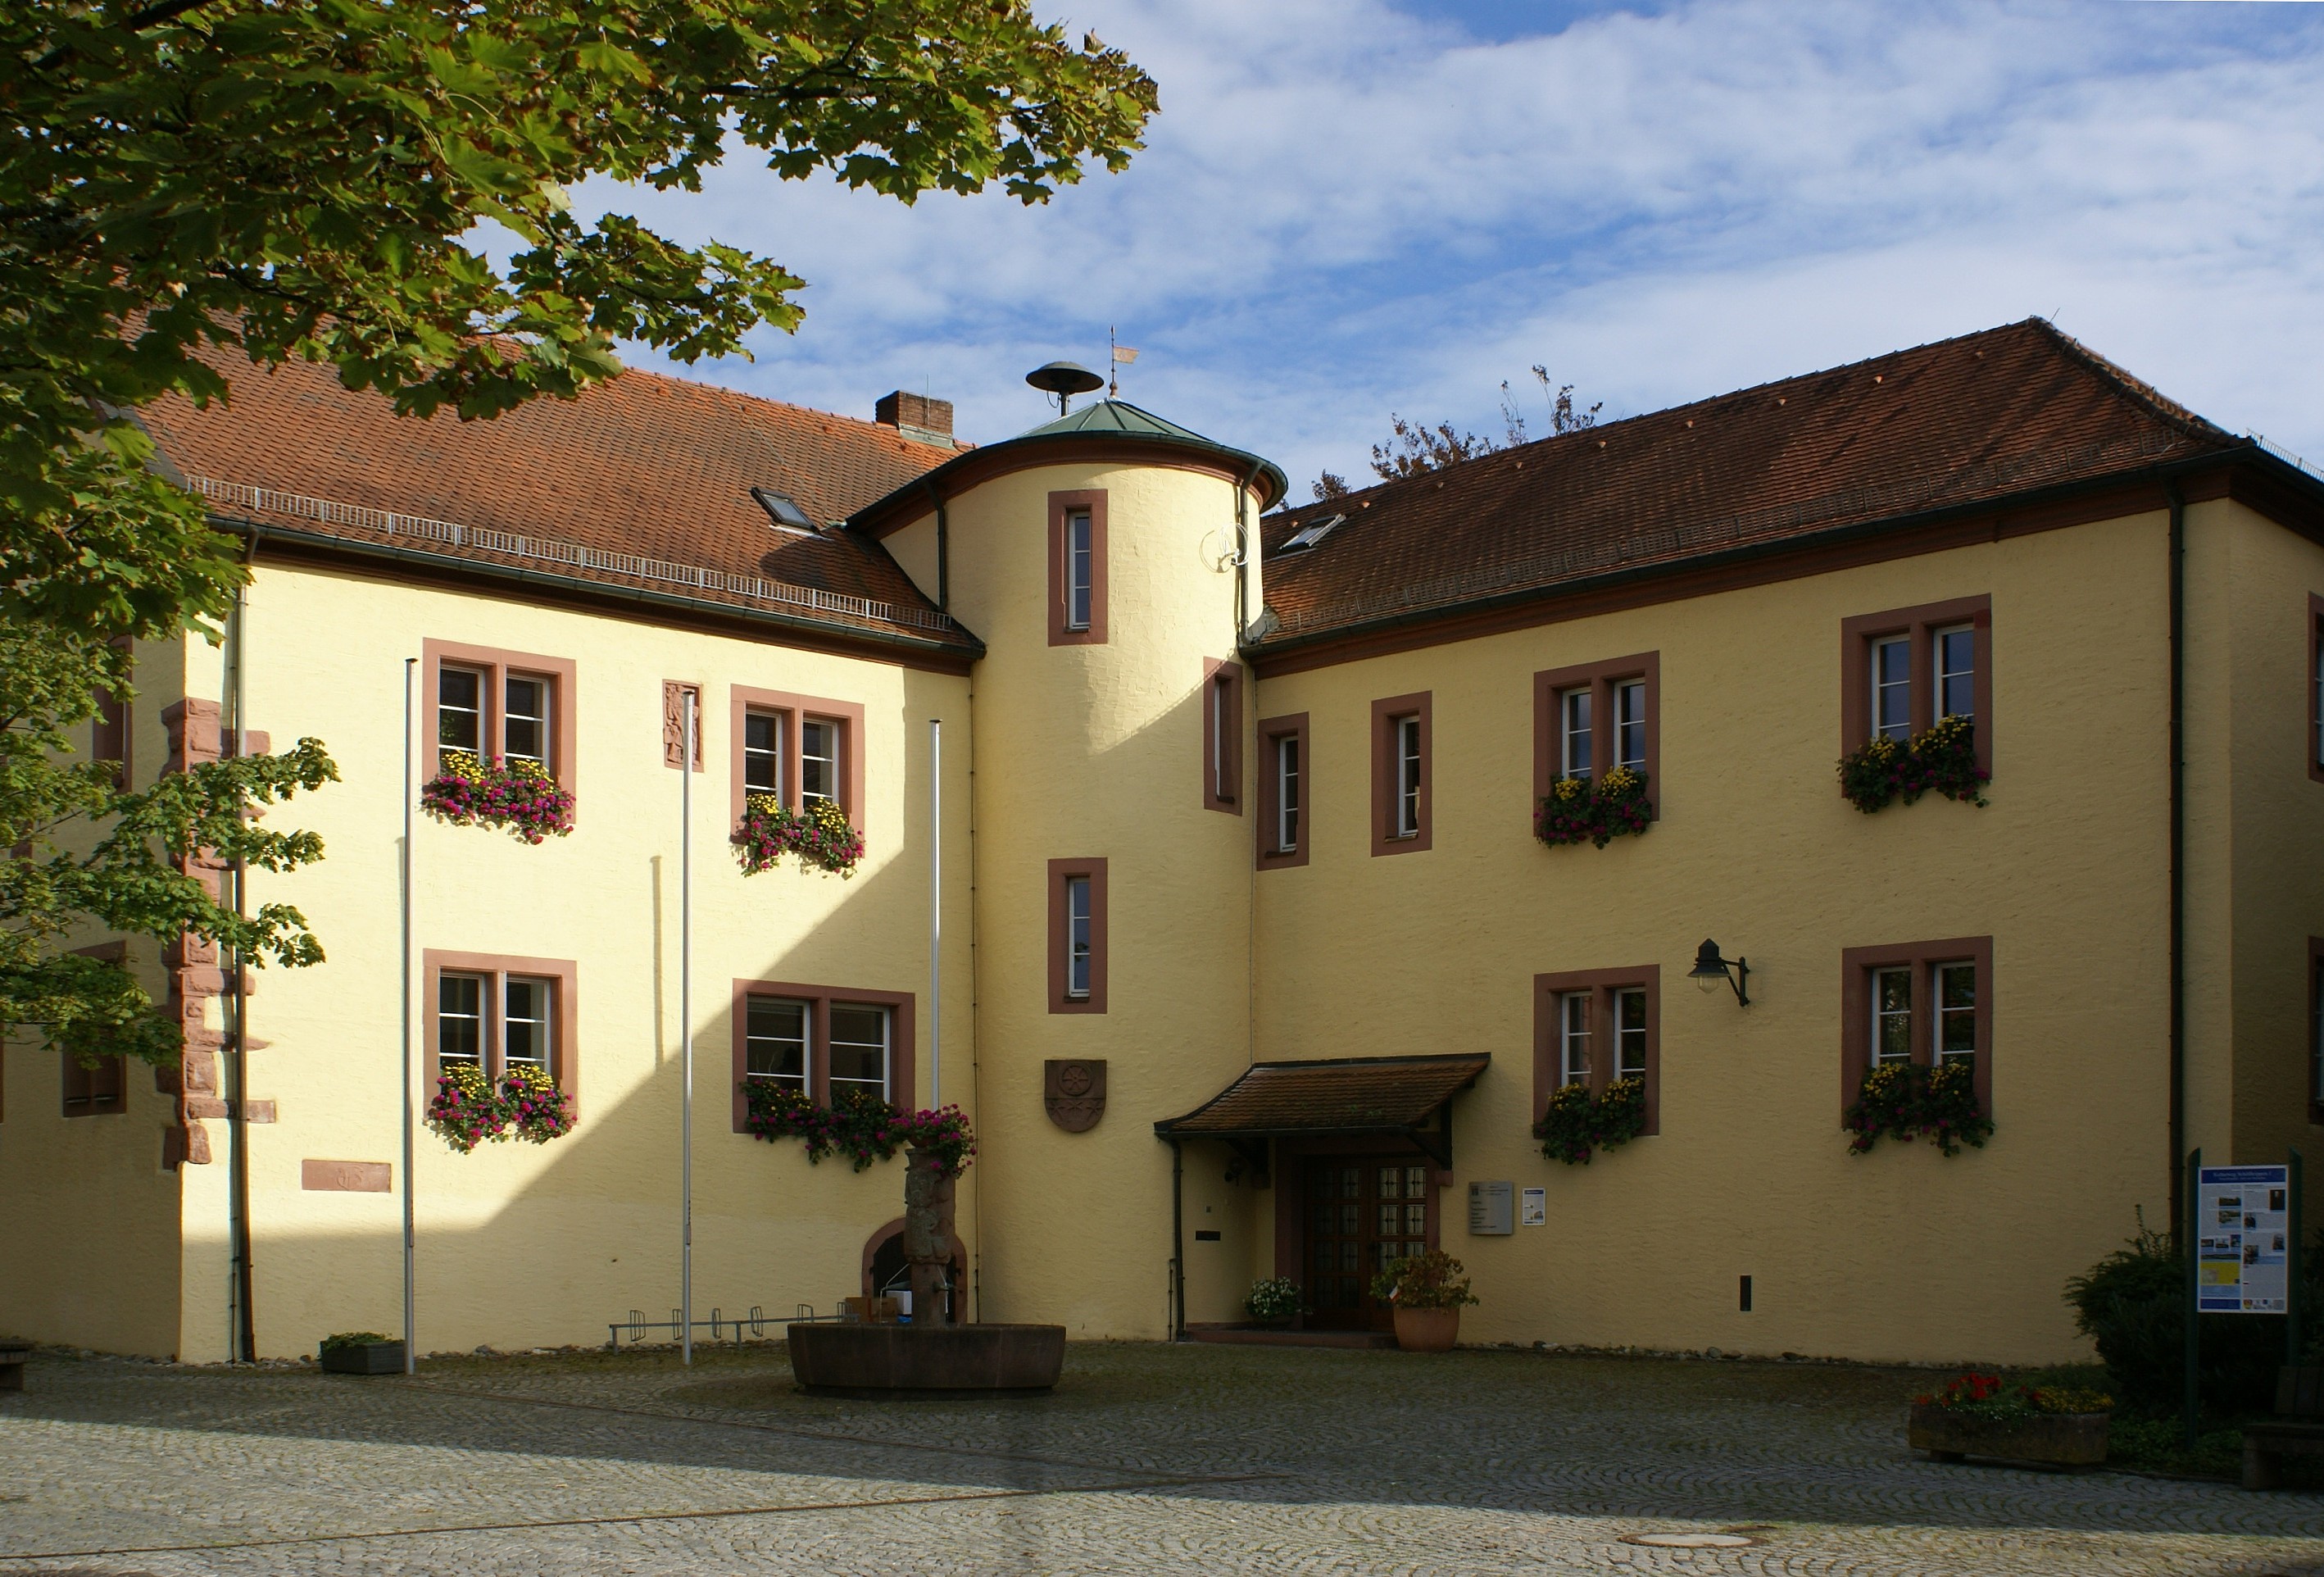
x=1146, y=1460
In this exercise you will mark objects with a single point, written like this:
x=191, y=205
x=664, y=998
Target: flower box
x=1427, y=1330
x=1948, y=1434
x=364, y=1357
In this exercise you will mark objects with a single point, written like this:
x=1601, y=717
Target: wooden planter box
x=2071, y=1440
x=370, y=1357
x=1427, y=1330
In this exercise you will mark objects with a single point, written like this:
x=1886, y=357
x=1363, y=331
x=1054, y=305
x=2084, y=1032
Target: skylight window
x=783, y=510
x=1313, y=532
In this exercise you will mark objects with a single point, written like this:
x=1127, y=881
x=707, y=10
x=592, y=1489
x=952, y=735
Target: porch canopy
x=1406, y=1096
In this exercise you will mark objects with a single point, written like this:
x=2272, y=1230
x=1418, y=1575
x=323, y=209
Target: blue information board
x=2242, y=1240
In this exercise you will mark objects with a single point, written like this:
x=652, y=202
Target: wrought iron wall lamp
x=1710, y=969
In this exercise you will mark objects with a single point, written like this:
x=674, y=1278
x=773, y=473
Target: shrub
x=1276, y=1298
x=520, y=795
x=1594, y=810
x=2133, y=1305
x=1434, y=1280
x=1578, y=1123
x=1940, y=760
x=353, y=1339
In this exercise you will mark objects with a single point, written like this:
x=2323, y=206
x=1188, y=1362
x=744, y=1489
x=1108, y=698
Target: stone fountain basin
x=925, y=1361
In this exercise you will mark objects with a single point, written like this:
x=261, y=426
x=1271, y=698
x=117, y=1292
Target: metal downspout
x=1178, y=1243
x=2178, y=747
x=237, y=1092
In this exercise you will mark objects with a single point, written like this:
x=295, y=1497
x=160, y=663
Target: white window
x=774, y=1042
x=1574, y=1038
x=1077, y=936
x=525, y=1024
x=1955, y=655
x=1407, y=778
x=1892, y=1016
x=1223, y=729
x=1892, y=687
x=1080, y=566
x=1573, y=712
x=859, y=1051
x=1286, y=794
x=459, y=709
x=1630, y=725
x=819, y=762
x=460, y=1020
x=524, y=726
x=1630, y=1033
x=1956, y=1013
x=762, y=753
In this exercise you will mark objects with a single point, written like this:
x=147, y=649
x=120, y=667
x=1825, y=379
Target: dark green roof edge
x=1110, y=419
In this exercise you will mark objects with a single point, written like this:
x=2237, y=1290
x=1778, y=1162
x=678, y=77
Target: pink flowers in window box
x=820, y=836
x=469, y=1108
x=519, y=795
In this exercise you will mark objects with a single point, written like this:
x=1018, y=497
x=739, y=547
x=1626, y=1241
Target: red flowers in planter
x=863, y=1128
x=1940, y=760
x=469, y=790
x=469, y=1109
x=820, y=836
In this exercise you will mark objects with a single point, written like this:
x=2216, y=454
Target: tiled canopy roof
x=2007, y=411
x=1372, y=1094
x=643, y=482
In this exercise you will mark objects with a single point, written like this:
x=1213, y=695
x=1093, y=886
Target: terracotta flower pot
x=1427, y=1330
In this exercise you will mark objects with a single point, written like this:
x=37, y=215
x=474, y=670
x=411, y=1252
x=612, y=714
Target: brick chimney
x=916, y=415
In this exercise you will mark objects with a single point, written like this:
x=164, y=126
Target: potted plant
x=362, y=1353
x=1982, y=1414
x=1426, y=1292
x=1275, y=1302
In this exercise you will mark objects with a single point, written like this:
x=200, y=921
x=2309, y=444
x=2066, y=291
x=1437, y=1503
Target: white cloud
x=1346, y=209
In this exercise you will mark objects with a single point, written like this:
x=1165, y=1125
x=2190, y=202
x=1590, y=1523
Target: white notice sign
x=2241, y=1227
x=1532, y=1207
x=1491, y=1209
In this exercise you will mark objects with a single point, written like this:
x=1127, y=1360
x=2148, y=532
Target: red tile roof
x=2007, y=411
x=642, y=482
x=1370, y=1094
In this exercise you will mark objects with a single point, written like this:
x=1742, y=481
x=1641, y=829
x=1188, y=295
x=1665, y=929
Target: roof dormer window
x=1308, y=535
x=783, y=510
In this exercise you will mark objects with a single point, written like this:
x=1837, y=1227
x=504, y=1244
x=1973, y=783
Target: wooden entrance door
x=1364, y=1214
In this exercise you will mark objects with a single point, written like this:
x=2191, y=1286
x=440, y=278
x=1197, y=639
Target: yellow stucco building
x=1215, y=894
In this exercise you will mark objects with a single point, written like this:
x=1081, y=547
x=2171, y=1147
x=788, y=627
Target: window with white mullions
x=775, y=1042
x=762, y=753
x=459, y=709
x=1224, y=728
x=1892, y=1016
x=1286, y=793
x=460, y=1020
x=1407, y=777
x=525, y=1021
x=1630, y=725
x=819, y=762
x=1080, y=565
x=1956, y=1039
x=2315, y=1035
x=524, y=722
x=1574, y=758
x=1954, y=658
x=1077, y=936
x=1629, y=1033
x=859, y=1051
x=1892, y=687
x=1574, y=1038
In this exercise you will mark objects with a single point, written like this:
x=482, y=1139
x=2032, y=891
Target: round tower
x=1109, y=561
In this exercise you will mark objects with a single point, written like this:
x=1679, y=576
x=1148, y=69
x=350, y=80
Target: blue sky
x=1349, y=207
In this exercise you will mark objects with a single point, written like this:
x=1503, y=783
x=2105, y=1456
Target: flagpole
x=936, y=914
x=686, y=1036
x=411, y=1333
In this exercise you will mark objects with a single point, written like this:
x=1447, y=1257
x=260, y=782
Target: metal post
x=2191, y=1399
x=686, y=1037
x=1178, y=1243
x=934, y=912
x=2292, y=1346
x=410, y=1332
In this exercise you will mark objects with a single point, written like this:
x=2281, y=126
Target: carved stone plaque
x=1073, y=1092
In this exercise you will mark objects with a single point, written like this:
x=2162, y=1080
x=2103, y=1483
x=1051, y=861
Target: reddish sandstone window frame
x=564, y=974
x=1550, y=990
x=1272, y=731
x=903, y=1043
x=1856, y=635
x=111, y=1069
x=796, y=709
x=1855, y=967
x=1060, y=937
x=1550, y=684
x=2307, y=1075
x=1386, y=712
x=1217, y=674
x=498, y=665
x=1061, y=506
x=2315, y=691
